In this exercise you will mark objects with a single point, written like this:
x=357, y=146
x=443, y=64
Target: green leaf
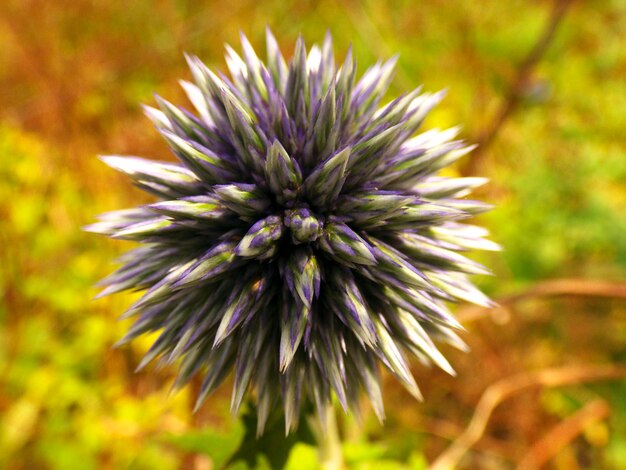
x=273, y=445
x=218, y=445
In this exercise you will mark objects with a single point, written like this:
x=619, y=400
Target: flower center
x=304, y=226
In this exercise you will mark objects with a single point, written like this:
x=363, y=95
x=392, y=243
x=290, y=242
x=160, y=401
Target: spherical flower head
x=304, y=238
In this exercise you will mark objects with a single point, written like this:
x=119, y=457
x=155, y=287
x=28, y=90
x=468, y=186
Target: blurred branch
x=450, y=431
x=550, y=288
x=563, y=433
x=518, y=87
x=499, y=391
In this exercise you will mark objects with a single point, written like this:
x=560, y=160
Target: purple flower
x=304, y=237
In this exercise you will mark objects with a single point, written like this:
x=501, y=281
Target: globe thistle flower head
x=303, y=239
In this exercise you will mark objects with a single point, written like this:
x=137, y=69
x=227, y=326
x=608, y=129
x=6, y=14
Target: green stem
x=328, y=441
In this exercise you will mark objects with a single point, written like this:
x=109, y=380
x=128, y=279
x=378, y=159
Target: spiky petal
x=304, y=238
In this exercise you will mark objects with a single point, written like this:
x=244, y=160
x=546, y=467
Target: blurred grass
x=72, y=76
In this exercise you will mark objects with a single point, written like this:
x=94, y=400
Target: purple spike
x=304, y=238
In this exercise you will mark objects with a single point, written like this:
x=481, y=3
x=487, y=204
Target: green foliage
x=218, y=445
x=273, y=447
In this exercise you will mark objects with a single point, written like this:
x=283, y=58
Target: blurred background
x=540, y=84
